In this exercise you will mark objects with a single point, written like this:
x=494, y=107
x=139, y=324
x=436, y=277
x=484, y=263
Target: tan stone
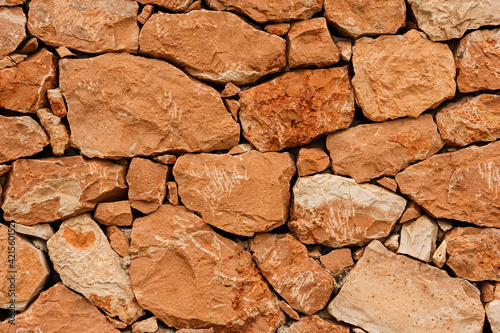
x=30, y=46
x=240, y=149
x=461, y=185
x=230, y=90
x=345, y=48
x=241, y=194
x=64, y=52
x=57, y=131
x=4, y=169
x=93, y=27
x=20, y=137
x=392, y=242
x=11, y=2
x=445, y=20
x=116, y=323
x=188, y=276
x=487, y=289
x=58, y=310
x=23, y=87
x=478, y=61
x=358, y=254
x=172, y=112
x=206, y=44
x=82, y=256
x=439, y=256
x=336, y=212
x=196, y=5
x=233, y=107
x=470, y=119
x=288, y=310
x=145, y=14
x=493, y=315
x=434, y=302
x=271, y=10
x=296, y=107
x=279, y=29
x=173, y=5
x=369, y=151
x=300, y=280
x=356, y=18
x=56, y=101
x=166, y=159
x=411, y=212
x=43, y=230
x=314, y=324
x=11, y=60
x=314, y=251
x=117, y=213
x=147, y=184
x=12, y=29
x=30, y=267
x=46, y=190
x=149, y=325
x=172, y=193
x=389, y=183
x=418, y=238
x=311, y=160
x=474, y=253
x=403, y=75
x=202, y=330
x=118, y=241
x=310, y=44
x=337, y=260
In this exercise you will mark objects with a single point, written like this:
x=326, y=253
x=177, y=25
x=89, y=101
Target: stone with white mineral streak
x=418, y=238
x=144, y=107
x=218, y=47
x=12, y=29
x=337, y=212
x=431, y=300
x=493, y=315
x=445, y=20
x=43, y=230
x=57, y=131
x=86, y=263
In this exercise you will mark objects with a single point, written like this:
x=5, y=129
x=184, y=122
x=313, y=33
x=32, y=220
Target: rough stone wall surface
x=249, y=166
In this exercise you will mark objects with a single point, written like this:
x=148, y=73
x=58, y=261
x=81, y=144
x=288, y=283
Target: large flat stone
x=12, y=29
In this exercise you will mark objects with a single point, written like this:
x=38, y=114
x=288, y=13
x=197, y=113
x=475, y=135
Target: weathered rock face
x=403, y=75
x=149, y=325
x=296, y=107
x=51, y=189
x=58, y=133
x=12, y=29
x=188, y=276
x=11, y=2
x=470, y=119
x=444, y=20
x=437, y=303
x=474, y=253
x=118, y=241
x=462, y=185
x=418, y=238
x=314, y=324
x=493, y=314
x=369, y=151
x=144, y=107
x=206, y=44
x=86, y=263
x=300, y=280
x=335, y=211
x=356, y=18
x=241, y=194
x=114, y=213
x=20, y=137
x=337, y=260
x=30, y=266
x=174, y=5
x=272, y=10
x=94, y=27
x=310, y=44
x=478, y=61
x=23, y=88
x=147, y=183
x=58, y=309
x=311, y=160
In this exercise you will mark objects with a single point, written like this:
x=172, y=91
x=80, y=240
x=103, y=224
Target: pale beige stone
x=392, y=242
x=437, y=303
x=439, y=256
x=403, y=75
x=147, y=184
x=20, y=137
x=57, y=131
x=145, y=14
x=241, y=194
x=117, y=213
x=206, y=44
x=314, y=324
x=285, y=264
x=118, y=241
x=93, y=27
x=24, y=270
x=172, y=193
x=337, y=260
x=50, y=189
x=493, y=315
x=188, y=276
x=82, y=256
x=337, y=212
x=461, y=185
x=356, y=18
x=57, y=103
x=149, y=325
x=369, y=151
x=311, y=160
x=418, y=238
x=445, y=20
x=296, y=107
x=12, y=29
x=173, y=5
x=310, y=44
x=43, y=230
x=171, y=112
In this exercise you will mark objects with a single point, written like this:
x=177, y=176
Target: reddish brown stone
x=279, y=29
x=23, y=88
x=289, y=310
x=188, y=276
x=64, y=52
x=314, y=324
x=296, y=107
x=118, y=241
x=30, y=46
x=311, y=160
x=149, y=325
x=411, y=212
x=462, y=185
x=474, y=253
x=173, y=5
x=56, y=101
x=200, y=42
x=300, y=280
x=117, y=213
x=46, y=190
x=166, y=159
x=389, y=183
x=11, y=2
x=230, y=90
x=12, y=29
x=337, y=260
x=487, y=289
x=147, y=182
x=145, y=14
x=172, y=194
x=233, y=107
